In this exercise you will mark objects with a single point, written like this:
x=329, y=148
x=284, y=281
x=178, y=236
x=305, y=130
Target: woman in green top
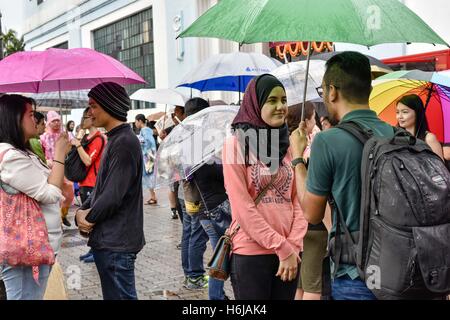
x=35, y=143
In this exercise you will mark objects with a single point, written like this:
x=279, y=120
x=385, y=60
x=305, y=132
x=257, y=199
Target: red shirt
x=94, y=150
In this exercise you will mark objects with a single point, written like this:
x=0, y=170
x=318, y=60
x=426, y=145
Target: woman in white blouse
x=23, y=171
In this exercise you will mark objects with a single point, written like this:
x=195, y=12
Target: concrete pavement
x=159, y=275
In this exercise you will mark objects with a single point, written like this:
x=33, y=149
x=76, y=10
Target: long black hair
x=12, y=110
x=68, y=126
x=414, y=102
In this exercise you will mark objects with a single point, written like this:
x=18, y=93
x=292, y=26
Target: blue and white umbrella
x=228, y=71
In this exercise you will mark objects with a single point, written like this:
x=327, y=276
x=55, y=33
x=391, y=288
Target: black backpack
x=75, y=170
x=402, y=250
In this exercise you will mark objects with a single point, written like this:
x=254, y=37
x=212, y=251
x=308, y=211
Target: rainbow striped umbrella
x=432, y=87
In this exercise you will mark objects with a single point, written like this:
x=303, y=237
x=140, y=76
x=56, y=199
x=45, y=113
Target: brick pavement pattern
x=159, y=274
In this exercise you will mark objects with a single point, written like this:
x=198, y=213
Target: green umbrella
x=365, y=22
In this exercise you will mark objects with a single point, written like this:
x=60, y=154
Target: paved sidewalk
x=159, y=275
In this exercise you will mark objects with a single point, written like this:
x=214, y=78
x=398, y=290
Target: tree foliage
x=11, y=43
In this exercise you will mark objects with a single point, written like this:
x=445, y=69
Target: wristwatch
x=296, y=161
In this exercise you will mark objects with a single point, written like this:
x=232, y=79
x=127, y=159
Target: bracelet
x=57, y=161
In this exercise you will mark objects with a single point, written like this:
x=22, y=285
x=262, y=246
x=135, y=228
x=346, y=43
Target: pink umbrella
x=62, y=70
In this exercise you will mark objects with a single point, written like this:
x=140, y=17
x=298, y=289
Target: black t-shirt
x=210, y=182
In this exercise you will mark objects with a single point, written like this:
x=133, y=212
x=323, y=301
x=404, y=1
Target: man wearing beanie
x=113, y=215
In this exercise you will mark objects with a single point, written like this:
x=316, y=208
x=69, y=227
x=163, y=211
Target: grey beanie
x=113, y=98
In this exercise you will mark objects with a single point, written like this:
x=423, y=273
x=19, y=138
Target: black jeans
x=85, y=193
x=253, y=278
x=2, y=291
x=116, y=270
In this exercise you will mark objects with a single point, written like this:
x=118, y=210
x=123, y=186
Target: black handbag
x=75, y=170
x=219, y=265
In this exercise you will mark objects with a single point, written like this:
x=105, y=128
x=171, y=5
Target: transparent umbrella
x=195, y=141
x=293, y=75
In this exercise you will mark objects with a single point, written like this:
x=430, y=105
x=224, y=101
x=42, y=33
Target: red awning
x=441, y=58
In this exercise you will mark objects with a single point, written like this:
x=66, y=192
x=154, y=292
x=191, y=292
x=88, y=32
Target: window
x=64, y=45
x=130, y=41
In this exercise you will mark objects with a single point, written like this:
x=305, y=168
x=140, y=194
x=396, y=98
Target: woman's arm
x=82, y=153
x=434, y=144
x=299, y=224
x=19, y=171
x=62, y=147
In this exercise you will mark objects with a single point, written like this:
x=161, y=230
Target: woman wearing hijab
x=269, y=234
x=48, y=140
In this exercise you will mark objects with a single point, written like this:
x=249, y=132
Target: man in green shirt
x=335, y=162
x=35, y=143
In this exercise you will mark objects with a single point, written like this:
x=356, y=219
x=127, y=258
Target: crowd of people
x=277, y=193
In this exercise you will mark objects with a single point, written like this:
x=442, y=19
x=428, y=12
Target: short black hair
x=12, y=110
x=38, y=116
x=142, y=118
x=350, y=72
x=195, y=105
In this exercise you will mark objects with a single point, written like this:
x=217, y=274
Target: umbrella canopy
x=163, y=96
x=228, y=71
x=377, y=66
x=62, y=70
x=432, y=87
x=156, y=116
x=365, y=22
x=192, y=143
x=328, y=55
x=292, y=76
x=69, y=99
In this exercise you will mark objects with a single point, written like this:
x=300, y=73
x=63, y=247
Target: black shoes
x=174, y=213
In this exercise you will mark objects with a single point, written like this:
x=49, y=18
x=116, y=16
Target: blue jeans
x=220, y=219
x=20, y=285
x=193, y=245
x=116, y=270
x=344, y=288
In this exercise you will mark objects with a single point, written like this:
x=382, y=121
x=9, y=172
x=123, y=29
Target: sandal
x=152, y=202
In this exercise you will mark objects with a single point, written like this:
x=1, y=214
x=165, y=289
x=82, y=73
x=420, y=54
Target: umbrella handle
x=308, y=59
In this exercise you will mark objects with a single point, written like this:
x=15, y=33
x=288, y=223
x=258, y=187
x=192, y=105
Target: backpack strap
x=355, y=129
x=362, y=135
x=100, y=151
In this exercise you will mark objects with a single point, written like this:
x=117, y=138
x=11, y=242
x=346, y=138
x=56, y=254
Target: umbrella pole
x=60, y=103
x=165, y=115
x=308, y=59
x=430, y=93
x=239, y=88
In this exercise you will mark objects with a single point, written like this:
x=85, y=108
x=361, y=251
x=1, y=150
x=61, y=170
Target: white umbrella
x=162, y=96
x=228, y=71
x=292, y=76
